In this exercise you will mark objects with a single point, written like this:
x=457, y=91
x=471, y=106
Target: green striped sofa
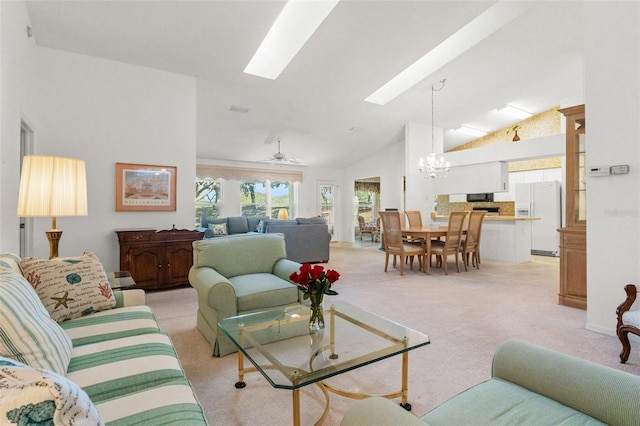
x=124, y=363
x=129, y=369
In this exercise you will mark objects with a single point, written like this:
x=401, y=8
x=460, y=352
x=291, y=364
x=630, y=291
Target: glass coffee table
x=279, y=345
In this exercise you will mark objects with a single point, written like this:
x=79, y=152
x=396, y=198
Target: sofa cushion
x=10, y=261
x=499, y=402
x=238, y=225
x=36, y=396
x=218, y=229
x=27, y=332
x=110, y=325
x=206, y=220
x=278, y=222
x=239, y=255
x=311, y=220
x=167, y=403
x=70, y=287
x=254, y=222
x=262, y=291
x=118, y=367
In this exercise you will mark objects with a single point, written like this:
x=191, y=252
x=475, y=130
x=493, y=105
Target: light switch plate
x=598, y=171
x=620, y=170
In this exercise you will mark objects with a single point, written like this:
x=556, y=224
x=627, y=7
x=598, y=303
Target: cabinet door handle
x=168, y=265
x=160, y=265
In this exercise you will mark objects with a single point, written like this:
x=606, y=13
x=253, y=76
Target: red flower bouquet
x=315, y=282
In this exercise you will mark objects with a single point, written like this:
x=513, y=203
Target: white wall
x=612, y=100
x=388, y=164
x=19, y=87
x=106, y=112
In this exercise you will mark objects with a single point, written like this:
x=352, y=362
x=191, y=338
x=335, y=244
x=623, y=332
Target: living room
x=106, y=112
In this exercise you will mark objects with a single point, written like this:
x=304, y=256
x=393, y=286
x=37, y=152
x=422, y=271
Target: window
x=265, y=199
x=253, y=199
x=368, y=195
x=208, y=198
x=366, y=205
x=281, y=200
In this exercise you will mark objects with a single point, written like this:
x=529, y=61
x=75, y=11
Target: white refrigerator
x=541, y=200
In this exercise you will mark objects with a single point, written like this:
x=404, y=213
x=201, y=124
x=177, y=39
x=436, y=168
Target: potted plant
x=514, y=129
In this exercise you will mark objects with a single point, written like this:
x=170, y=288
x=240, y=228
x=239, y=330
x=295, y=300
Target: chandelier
x=433, y=167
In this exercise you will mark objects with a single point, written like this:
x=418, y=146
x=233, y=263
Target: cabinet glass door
x=580, y=184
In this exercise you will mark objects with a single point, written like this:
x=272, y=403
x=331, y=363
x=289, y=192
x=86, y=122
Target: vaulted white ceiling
x=316, y=106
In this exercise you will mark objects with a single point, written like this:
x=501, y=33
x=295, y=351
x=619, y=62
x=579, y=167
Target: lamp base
x=53, y=235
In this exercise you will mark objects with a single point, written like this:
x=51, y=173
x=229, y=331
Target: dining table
x=427, y=233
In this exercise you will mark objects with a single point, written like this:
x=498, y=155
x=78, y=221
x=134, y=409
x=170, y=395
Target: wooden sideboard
x=157, y=259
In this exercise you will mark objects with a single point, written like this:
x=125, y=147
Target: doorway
x=328, y=194
x=366, y=205
x=26, y=224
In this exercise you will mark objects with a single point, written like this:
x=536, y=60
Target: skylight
x=466, y=37
x=296, y=23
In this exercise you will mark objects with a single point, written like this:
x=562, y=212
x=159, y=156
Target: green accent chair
x=237, y=275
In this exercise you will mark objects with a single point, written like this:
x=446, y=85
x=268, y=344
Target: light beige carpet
x=467, y=315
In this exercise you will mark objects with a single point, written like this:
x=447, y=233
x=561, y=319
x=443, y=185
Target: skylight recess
x=466, y=37
x=296, y=23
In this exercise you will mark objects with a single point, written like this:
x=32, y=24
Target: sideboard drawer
x=135, y=235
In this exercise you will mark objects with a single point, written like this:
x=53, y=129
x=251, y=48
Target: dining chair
x=471, y=242
x=452, y=243
x=396, y=245
x=414, y=217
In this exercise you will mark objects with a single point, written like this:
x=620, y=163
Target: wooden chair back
x=474, y=230
x=454, y=231
x=414, y=217
x=391, y=228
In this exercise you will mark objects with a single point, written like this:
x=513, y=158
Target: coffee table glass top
x=279, y=345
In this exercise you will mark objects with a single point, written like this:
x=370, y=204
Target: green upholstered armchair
x=236, y=275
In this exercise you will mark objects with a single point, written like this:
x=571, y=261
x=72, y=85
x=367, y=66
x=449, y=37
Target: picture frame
x=142, y=187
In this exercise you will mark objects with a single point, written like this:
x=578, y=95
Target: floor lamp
x=52, y=187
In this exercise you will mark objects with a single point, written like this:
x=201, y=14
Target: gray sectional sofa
x=307, y=239
x=530, y=385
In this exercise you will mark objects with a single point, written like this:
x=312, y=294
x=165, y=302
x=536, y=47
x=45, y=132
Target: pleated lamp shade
x=52, y=186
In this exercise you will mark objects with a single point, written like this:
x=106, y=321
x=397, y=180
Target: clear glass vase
x=316, y=319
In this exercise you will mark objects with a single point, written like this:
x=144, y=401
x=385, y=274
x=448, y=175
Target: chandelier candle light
x=315, y=283
x=434, y=167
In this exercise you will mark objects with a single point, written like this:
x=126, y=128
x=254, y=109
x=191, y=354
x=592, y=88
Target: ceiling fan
x=280, y=158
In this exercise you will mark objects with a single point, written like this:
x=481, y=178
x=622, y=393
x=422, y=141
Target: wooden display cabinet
x=157, y=259
x=573, y=237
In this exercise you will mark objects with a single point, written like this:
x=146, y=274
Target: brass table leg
x=405, y=381
x=296, y=407
x=240, y=383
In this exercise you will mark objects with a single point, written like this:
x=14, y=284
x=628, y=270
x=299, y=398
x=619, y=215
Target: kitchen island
x=503, y=238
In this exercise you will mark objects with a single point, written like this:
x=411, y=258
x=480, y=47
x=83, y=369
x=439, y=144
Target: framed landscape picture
x=141, y=187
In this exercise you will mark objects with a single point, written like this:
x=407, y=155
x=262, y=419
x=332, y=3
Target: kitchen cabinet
x=475, y=179
x=157, y=259
x=573, y=237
